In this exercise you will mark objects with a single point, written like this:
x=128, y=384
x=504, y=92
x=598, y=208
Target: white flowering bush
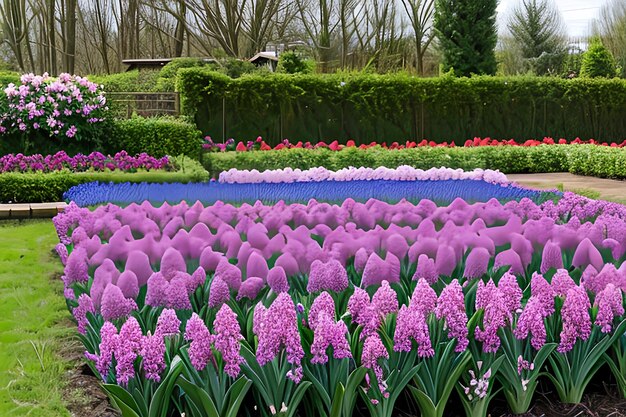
x=66, y=109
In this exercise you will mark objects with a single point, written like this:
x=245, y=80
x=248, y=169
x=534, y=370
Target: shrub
x=49, y=114
x=42, y=187
x=398, y=107
x=598, y=61
x=592, y=160
x=167, y=76
x=130, y=81
x=291, y=62
x=157, y=136
x=8, y=77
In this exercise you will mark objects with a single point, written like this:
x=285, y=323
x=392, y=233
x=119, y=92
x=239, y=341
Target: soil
x=83, y=394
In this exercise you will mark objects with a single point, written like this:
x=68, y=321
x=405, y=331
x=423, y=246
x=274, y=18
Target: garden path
x=614, y=190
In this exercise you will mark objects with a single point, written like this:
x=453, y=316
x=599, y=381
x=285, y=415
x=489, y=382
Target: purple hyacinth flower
x=477, y=263
x=114, y=304
x=426, y=269
x=219, y=292
x=171, y=263
x=229, y=273
x=250, y=288
x=277, y=280
x=551, y=257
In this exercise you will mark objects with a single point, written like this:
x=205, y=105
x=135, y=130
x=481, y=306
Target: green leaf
x=123, y=400
x=198, y=397
x=336, y=409
x=236, y=394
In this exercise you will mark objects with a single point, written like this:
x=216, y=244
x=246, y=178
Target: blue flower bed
x=443, y=191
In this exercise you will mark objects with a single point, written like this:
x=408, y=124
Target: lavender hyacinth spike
x=511, y=292
x=201, y=339
x=115, y=305
x=277, y=280
x=128, y=347
x=373, y=350
x=168, y=323
x=229, y=273
x=551, y=258
x=385, y=300
x=76, y=267
x=324, y=303
x=139, y=263
x=360, y=259
x=562, y=282
x=509, y=258
x=330, y=276
x=576, y=319
x=158, y=289
x=257, y=266
x=426, y=269
x=424, y=298
x=277, y=327
x=129, y=284
x=171, y=263
x=85, y=305
x=153, y=354
x=108, y=343
x=227, y=337
x=451, y=307
x=610, y=305
x=250, y=288
x=411, y=324
x=445, y=260
x=328, y=333
x=476, y=263
x=177, y=294
x=219, y=292
x=532, y=321
x=376, y=270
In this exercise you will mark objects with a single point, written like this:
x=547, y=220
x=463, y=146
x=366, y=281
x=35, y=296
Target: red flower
x=265, y=146
x=240, y=147
x=350, y=143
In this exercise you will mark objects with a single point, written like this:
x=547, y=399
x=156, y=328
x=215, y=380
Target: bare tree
x=611, y=27
x=420, y=13
x=15, y=26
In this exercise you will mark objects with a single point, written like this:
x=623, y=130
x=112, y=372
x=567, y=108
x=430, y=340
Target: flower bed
x=95, y=161
x=442, y=191
x=42, y=187
x=259, y=144
x=326, y=309
x=402, y=173
x=591, y=160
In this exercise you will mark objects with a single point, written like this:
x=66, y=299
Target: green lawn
x=34, y=326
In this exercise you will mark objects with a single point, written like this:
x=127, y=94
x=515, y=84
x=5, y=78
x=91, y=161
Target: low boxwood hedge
x=39, y=187
x=591, y=160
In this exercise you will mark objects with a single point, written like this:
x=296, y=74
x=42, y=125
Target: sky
x=577, y=14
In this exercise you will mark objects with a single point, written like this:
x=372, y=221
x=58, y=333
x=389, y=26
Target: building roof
x=264, y=55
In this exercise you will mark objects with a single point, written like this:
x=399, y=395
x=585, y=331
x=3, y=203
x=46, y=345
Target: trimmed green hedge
x=48, y=187
x=157, y=136
x=591, y=160
x=399, y=107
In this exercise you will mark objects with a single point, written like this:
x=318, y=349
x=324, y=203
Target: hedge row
x=47, y=187
x=399, y=107
x=157, y=136
x=591, y=160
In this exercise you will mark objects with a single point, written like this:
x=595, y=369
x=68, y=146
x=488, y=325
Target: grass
x=33, y=326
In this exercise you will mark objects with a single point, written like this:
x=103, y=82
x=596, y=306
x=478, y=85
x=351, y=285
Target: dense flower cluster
x=95, y=161
x=402, y=173
x=59, y=107
x=442, y=191
x=259, y=144
x=303, y=287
